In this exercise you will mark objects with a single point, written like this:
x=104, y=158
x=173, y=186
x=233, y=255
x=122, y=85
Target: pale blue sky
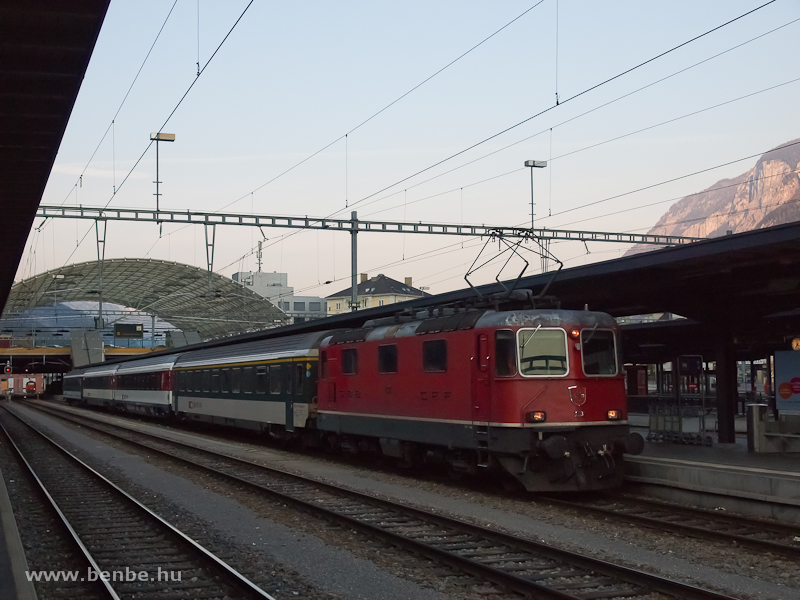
x=293, y=77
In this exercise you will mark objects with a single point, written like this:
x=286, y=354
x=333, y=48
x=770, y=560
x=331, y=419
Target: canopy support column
x=210, y=249
x=100, y=232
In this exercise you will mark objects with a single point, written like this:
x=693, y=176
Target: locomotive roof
x=476, y=320
x=294, y=346
x=547, y=318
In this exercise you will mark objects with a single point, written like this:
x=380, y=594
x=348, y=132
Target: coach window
x=350, y=361
x=505, y=355
x=225, y=380
x=261, y=380
x=598, y=352
x=206, y=380
x=247, y=380
x=299, y=377
x=275, y=379
x=387, y=358
x=434, y=356
x=215, y=381
x=236, y=381
x=542, y=352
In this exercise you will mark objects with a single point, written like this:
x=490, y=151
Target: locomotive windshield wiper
x=591, y=334
x=538, y=327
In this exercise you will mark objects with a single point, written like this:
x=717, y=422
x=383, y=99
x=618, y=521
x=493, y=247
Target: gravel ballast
x=738, y=571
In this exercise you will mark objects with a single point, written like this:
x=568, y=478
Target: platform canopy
x=180, y=294
x=44, y=51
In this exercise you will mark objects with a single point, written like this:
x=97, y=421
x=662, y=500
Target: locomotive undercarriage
x=576, y=459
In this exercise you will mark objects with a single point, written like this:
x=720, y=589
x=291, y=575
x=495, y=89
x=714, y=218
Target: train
x=534, y=396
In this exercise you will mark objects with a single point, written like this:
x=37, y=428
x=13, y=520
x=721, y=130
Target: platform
x=724, y=477
x=13, y=583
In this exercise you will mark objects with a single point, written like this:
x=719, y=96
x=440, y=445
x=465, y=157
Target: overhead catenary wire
x=588, y=112
x=675, y=199
x=566, y=121
x=673, y=179
x=186, y=93
x=385, y=108
x=571, y=98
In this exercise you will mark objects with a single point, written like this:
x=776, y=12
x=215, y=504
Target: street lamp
x=534, y=164
x=160, y=137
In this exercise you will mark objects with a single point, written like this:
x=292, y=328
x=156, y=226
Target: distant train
x=537, y=395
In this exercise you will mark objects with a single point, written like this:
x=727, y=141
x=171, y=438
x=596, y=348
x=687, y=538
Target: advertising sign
x=787, y=380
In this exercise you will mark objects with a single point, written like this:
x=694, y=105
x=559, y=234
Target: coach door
x=288, y=377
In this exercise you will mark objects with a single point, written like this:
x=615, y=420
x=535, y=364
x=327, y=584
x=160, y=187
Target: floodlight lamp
x=539, y=164
x=162, y=137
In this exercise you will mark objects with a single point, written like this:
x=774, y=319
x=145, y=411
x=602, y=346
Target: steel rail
x=232, y=577
x=663, y=524
x=104, y=587
x=647, y=581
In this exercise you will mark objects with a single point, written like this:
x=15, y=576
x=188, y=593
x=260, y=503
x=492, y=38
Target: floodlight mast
x=534, y=164
x=160, y=137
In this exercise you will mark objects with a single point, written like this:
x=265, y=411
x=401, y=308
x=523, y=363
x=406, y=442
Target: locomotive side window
x=261, y=380
x=434, y=356
x=598, y=352
x=323, y=364
x=387, y=359
x=350, y=361
x=505, y=353
x=542, y=352
x=275, y=379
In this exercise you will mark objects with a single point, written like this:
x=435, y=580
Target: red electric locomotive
x=537, y=394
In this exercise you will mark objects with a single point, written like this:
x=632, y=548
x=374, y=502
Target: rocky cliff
x=766, y=195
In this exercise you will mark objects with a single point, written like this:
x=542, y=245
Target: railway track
x=127, y=551
x=530, y=568
x=695, y=522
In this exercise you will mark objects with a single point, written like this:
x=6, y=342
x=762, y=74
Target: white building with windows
x=275, y=288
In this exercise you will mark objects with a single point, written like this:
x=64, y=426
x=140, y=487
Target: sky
x=293, y=78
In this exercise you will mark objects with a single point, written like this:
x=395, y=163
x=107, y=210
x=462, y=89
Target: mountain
x=766, y=195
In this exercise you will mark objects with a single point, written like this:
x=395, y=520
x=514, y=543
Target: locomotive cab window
x=350, y=361
x=434, y=356
x=542, y=352
x=598, y=352
x=387, y=359
x=505, y=353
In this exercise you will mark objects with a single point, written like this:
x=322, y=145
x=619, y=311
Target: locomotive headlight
x=575, y=333
x=537, y=416
x=614, y=415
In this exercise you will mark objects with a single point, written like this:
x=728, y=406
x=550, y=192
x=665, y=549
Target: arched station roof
x=179, y=294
